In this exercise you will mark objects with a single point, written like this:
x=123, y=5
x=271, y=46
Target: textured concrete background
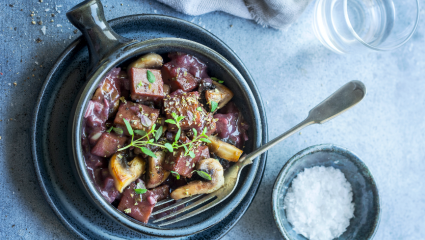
x=293, y=73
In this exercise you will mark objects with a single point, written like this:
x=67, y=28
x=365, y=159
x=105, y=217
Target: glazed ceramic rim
x=309, y=150
x=129, y=52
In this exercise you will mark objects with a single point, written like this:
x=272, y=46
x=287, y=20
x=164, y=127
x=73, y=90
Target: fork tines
x=193, y=205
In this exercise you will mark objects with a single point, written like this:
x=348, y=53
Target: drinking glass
x=355, y=26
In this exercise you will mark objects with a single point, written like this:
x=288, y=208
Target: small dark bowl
x=365, y=192
x=108, y=50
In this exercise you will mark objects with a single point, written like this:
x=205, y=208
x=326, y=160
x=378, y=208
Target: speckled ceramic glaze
x=365, y=192
x=67, y=80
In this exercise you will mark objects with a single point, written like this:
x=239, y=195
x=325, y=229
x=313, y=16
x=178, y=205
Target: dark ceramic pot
x=108, y=50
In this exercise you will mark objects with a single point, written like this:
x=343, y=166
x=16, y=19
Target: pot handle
x=89, y=18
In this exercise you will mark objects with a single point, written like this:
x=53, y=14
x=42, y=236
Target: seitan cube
x=142, y=89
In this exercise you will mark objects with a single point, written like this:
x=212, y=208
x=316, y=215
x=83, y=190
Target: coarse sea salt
x=43, y=30
x=319, y=203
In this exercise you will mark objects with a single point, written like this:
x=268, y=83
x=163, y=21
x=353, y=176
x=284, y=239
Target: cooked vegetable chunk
x=138, y=115
x=96, y=113
x=124, y=173
x=178, y=78
x=109, y=92
x=166, y=89
x=162, y=192
x=156, y=174
x=109, y=192
x=231, y=127
x=184, y=165
x=108, y=144
x=138, y=206
x=207, y=121
x=104, y=102
x=97, y=169
x=183, y=104
x=146, y=86
x=183, y=72
x=224, y=150
x=150, y=60
x=220, y=95
x=209, y=166
x=95, y=134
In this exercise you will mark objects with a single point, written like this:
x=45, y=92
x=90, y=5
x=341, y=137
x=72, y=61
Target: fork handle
x=246, y=160
x=340, y=101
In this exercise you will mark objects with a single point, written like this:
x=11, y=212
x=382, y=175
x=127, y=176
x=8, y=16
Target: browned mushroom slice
x=209, y=166
x=224, y=150
x=150, y=60
x=125, y=173
x=221, y=95
x=156, y=174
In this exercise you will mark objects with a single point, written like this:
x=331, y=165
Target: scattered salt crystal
x=43, y=30
x=47, y=9
x=319, y=203
x=59, y=25
x=56, y=8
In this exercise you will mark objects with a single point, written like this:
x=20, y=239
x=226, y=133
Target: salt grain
x=319, y=203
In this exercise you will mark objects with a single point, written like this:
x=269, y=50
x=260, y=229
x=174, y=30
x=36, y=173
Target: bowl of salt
x=326, y=192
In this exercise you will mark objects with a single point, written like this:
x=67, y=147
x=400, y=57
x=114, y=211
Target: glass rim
x=350, y=27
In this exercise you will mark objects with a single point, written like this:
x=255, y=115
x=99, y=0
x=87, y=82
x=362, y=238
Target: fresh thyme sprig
x=146, y=140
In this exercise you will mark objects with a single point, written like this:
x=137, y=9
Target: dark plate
x=49, y=135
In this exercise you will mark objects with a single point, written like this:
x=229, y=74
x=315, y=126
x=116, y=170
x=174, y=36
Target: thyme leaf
x=140, y=132
x=170, y=121
x=175, y=174
x=150, y=76
x=217, y=80
x=214, y=106
x=158, y=133
x=205, y=140
x=168, y=147
x=203, y=174
x=118, y=131
x=128, y=126
x=140, y=190
x=147, y=152
x=178, y=135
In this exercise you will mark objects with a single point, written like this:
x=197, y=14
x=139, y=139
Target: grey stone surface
x=293, y=73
